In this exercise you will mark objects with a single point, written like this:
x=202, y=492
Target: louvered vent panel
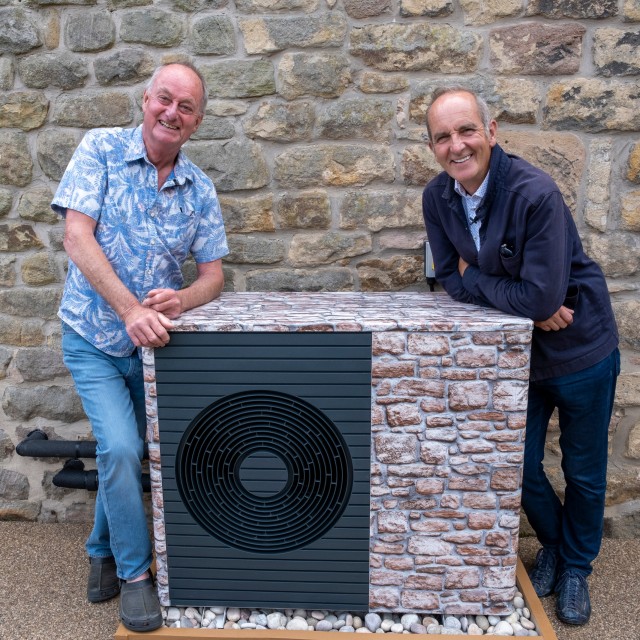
x=265, y=443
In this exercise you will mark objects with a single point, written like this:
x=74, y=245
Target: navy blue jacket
x=523, y=211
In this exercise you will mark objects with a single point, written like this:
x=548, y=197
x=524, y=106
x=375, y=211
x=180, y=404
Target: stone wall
x=314, y=138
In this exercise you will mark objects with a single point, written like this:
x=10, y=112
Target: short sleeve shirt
x=145, y=233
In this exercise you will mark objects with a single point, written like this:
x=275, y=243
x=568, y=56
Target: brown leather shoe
x=104, y=583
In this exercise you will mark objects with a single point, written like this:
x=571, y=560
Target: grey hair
x=188, y=65
x=481, y=104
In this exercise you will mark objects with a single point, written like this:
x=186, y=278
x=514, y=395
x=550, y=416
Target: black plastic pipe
x=38, y=445
x=73, y=476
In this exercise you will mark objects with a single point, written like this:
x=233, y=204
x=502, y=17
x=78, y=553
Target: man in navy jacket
x=502, y=236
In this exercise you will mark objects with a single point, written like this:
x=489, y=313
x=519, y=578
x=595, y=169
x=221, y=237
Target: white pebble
x=362, y=630
x=396, y=627
x=493, y=620
x=474, y=630
x=518, y=602
x=233, y=614
x=275, y=620
x=357, y=622
x=347, y=629
x=483, y=622
x=451, y=622
x=324, y=625
x=408, y=619
x=372, y=621
x=387, y=623
x=503, y=628
x=173, y=614
x=297, y=624
x=318, y=615
x=434, y=629
x=527, y=624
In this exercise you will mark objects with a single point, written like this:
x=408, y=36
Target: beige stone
x=561, y=155
x=390, y=274
x=246, y=215
x=631, y=10
x=329, y=165
x=592, y=105
x=633, y=170
x=478, y=12
x=617, y=252
x=421, y=46
x=630, y=211
x=596, y=210
x=376, y=210
x=39, y=269
x=306, y=210
x=373, y=82
x=325, y=248
x=616, y=52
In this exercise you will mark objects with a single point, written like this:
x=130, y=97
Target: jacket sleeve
x=446, y=256
x=544, y=257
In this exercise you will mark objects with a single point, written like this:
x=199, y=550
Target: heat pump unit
x=265, y=454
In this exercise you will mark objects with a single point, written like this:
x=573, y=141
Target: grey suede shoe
x=103, y=581
x=139, y=606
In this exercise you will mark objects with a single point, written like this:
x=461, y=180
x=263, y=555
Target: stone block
x=19, y=510
x=270, y=34
x=37, y=303
x=617, y=252
x=54, y=149
x=391, y=274
x=19, y=33
x=322, y=165
x=7, y=271
x=267, y=6
x=281, y=122
x=40, y=363
x=593, y=106
x=21, y=332
x=24, y=110
x=246, y=215
x=395, y=448
x=426, y=8
x=234, y=165
x=630, y=211
x=366, y=118
x=123, y=67
x=305, y=210
x=92, y=109
x=596, y=209
x=254, y=250
x=15, y=159
x=422, y=46
x=326, y=248
x=573, y=9
x=340, y=279
x=323, y=75
x=537, y=49
x=561, y=155
x=627, y=313
x=153, y=27
x=18, y=237
x=39, y=269
x=63, y=70
x=213, y=35
x=7, y=74
x=239, y=78
x=53, y=402
x=89, y=31
x=13, y=485
x=616, y=52
x=375, y=82
x=479, y=12
x=633, y=167
x=35, y=204
x=376, y=210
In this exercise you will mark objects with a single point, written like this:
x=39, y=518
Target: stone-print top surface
x=344, y=311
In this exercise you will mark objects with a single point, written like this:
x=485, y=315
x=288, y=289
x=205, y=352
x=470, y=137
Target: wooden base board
x=532, y=601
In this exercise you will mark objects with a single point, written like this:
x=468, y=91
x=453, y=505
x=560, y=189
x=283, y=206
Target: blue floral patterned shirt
x=146, y=234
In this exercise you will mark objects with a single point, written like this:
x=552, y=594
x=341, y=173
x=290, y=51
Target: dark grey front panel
x=265, y=442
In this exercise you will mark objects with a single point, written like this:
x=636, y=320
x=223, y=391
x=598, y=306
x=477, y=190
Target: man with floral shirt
x=135, y=208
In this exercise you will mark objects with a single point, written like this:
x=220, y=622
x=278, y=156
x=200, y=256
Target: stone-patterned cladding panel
x=447, y=439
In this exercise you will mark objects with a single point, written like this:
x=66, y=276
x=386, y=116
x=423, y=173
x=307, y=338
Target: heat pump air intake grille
x=309, y=468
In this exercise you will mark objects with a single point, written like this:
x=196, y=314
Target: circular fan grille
x=307, y=471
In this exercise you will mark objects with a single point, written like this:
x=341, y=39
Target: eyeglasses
x=185, y=108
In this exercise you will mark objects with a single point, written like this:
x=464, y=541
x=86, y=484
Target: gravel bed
x=519, y=623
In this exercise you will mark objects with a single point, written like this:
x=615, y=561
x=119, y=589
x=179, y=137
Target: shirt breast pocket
x=179, y=228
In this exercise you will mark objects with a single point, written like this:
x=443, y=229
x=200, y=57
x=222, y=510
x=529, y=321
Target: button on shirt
x=471, y=204
x=145, y=234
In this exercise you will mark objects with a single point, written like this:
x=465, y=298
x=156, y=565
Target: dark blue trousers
x=584, y=401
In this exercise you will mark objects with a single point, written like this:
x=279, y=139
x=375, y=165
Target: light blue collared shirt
x=145, y=233
x=471, y=204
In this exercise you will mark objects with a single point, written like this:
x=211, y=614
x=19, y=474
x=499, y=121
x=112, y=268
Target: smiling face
x=172, y=111
x=458, y=138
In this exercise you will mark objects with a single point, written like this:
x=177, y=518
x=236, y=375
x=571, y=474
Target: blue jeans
x=112, y=394
x=584, y=401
